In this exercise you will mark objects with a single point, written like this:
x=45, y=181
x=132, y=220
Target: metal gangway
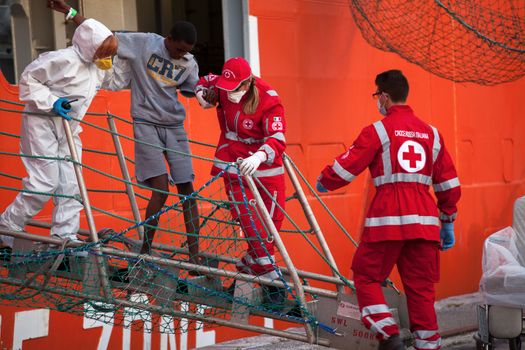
x=105, y=273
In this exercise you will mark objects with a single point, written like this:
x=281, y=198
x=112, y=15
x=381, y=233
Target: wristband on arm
x=71, y=13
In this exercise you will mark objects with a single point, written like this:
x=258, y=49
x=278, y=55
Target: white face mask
x=381, y=108
x=235, y=96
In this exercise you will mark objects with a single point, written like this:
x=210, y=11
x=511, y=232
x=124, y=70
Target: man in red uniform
x=402, y=227
x=251, y=118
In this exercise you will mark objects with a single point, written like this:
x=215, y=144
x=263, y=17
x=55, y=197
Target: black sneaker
x=5, y=254
x=274, y=297
x=120, y=275
x=295, y=311
x=392, y=343
x=64, y=265
x=231, y=289
x=182, y=287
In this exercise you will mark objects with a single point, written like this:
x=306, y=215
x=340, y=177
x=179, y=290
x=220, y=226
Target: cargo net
x=196, y=272
x=478, y=41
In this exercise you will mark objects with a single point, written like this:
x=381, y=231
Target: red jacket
x=244, y=134
x=405, y=156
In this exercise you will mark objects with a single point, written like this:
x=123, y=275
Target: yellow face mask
x=104, y=63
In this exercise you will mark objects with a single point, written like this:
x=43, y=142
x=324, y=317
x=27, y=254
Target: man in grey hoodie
x=159, y=67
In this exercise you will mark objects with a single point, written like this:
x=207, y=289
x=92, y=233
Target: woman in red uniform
x=251, y=119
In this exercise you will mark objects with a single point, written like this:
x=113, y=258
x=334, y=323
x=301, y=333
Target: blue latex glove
x=447, y=235
x=62, y=107
x=320, y=187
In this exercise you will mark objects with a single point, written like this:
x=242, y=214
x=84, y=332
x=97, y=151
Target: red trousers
x=259, y=259
x=417, y=261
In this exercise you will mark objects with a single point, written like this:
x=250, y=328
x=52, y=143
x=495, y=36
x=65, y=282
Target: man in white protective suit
x=61, y=84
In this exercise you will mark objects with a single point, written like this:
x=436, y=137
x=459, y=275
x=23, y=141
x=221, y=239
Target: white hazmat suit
x=68, y=73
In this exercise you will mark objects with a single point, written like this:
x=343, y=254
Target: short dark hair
x=394, y=83
x=184, y=31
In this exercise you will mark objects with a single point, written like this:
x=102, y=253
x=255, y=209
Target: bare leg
x=191, y=220
x=155, y=204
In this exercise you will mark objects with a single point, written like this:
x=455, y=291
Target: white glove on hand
x=204, y=104
x=249, y=165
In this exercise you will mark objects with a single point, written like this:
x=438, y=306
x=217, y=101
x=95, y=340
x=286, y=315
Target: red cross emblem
x=411, y=156
x=247, y=124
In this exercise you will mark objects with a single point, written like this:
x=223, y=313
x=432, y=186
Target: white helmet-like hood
x=88, y=37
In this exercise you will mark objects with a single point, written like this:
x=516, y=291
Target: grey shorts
x=151, y=161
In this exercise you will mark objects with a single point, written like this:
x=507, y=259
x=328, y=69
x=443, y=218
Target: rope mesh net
x=478, y=41
x=156, y=292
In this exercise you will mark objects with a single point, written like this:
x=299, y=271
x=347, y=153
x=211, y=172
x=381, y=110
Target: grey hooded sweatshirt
x=155, y=78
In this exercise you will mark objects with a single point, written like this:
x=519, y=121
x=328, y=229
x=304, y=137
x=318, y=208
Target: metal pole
x=87, y=207
x=311, y=219
x=125, y=174
x=168, y=311
x=325, y=207
x=206, y=270
x=284, y=253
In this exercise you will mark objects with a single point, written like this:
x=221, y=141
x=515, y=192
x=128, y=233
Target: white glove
x=249, y=165
x=201, y=100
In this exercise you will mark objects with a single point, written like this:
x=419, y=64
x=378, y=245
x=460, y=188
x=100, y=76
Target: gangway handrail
x=272, y=230
x=125, y=174
x=103, y=274
x=334, y=268
x=312, y=220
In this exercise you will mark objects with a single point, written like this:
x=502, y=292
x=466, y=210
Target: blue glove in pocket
x=62, y=108
x=320, y=187
x=447, y=235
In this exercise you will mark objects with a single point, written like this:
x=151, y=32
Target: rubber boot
x=5, y=254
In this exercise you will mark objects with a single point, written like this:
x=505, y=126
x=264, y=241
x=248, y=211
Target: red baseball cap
x=234, y=72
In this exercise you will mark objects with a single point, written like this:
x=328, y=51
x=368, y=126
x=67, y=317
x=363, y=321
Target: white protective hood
x=88, y=37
